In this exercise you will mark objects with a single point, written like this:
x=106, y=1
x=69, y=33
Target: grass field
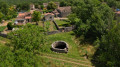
x=2, y=28
x=3, y=40
x=67, y=37
x=72, y=59
x=62, y=23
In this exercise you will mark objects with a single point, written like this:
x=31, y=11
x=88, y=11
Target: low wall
x=67, y=29
x=64, y=29
x=53, y=32
x=3, y=34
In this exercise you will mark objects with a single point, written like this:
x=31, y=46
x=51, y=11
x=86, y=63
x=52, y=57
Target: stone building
x=62, y=11
x=23, y=18
x=48, y=17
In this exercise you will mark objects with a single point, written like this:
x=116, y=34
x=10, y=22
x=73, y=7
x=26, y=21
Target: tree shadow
x=65, y=25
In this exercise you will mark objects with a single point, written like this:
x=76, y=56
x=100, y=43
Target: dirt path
x=77, y=60
x=2, y=42
x=5, y=23
x=67, y=61
x=80, y=62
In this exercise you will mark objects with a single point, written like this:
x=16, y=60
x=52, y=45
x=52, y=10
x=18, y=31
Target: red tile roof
x=28, y=17
x=49, y=13
x=25, y=15
x=118, y=12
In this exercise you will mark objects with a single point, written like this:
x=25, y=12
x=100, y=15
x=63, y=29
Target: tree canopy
x=36, y=16
x=24, y=48
x=51, y=6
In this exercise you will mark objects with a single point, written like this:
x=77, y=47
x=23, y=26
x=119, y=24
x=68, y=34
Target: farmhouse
x=23, y=18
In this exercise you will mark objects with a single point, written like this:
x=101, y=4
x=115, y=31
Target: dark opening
x=60, y=45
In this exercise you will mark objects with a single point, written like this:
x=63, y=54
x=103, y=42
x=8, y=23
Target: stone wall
x=64, y=29
x=53, y=32
x=3, y=34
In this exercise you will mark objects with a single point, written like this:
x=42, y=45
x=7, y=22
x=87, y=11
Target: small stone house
x=48, y=17
x=62, y=11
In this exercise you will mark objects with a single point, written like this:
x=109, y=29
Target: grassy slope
x=2, y=28
x=3, y=40
x=67, y=37
x=73, y=55
x=62, y=23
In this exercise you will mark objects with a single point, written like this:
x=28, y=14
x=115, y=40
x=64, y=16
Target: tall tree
x=95, y=19
x=26, y=43
x=36, y=17
x=51, y=6
x=108, y=54
x=1, y=16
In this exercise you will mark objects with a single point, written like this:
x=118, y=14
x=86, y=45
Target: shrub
x=9, y=26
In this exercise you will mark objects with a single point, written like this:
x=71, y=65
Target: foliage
x=108, y=53
x=42, y=7
x=24, y=47
x=6, y=56
x=1, y=16
x=7, y=11
x=51, y=6
x=9, y=26
x=73, y=19
x=36, y=16
x=112, y=3
x=23, y=7
x=2, y=28
x=95, y=19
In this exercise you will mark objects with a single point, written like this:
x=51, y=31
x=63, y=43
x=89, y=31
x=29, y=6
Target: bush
x=9, y=26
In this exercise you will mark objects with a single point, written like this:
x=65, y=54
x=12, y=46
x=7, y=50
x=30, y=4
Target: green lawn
x=2, y=28
x=3, y=40
x=72, y=55
x=67, y=37
x=62, y=23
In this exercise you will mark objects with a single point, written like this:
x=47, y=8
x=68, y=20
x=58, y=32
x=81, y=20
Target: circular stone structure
x=60, y=47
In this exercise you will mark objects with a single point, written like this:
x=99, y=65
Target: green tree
x=6, y=57
x=108, y=54
x=95, y=19
x=9, y=26
x=51, y=6
x=42, y=7
x=36, y=17
x=26, y=43
x=1, y=16
x=73, y=19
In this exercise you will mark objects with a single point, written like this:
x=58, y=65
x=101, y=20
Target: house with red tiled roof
x=23, y=18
